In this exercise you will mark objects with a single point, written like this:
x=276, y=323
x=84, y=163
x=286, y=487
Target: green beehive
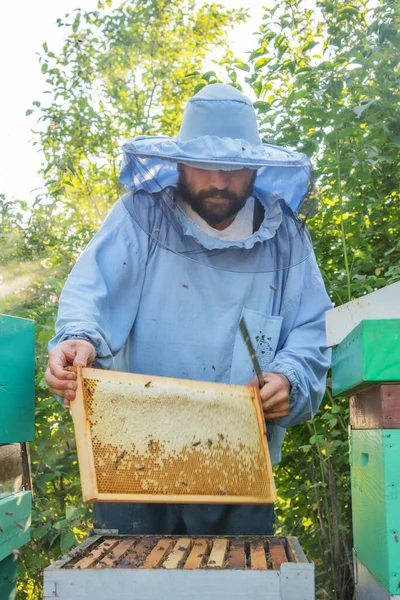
x=16, y=425
x=17, y=366
x=375, y=475
x=8, y=577
x=15, y=522
x=368, y=355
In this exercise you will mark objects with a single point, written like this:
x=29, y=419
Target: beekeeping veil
x=219, y=132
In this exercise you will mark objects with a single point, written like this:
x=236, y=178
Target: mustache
x=216, y=193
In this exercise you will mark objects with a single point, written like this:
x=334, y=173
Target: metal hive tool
x=156, y=439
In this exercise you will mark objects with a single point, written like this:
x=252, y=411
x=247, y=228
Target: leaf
x=261, y=62
x=28, y=112
x=192, y=74
x=310, y=45
x=210, y=74
x=67, y=541
x=358, y=110
x=44, y=68
x=199, y=87
x=242, y=66
x=348, y=11
x=262, y=107
x=75, y=24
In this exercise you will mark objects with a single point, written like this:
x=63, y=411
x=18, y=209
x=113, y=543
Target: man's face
x=217, y=196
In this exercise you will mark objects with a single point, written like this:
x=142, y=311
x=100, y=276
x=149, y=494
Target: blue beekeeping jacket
x=150, y=310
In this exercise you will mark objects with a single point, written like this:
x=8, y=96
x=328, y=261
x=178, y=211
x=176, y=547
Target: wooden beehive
x=17, y=379
x=377, y=407
x=368, y=587
x=369, y=355
x=182, y=568
x=156, y=439
x=17, y=369
x=375, y=478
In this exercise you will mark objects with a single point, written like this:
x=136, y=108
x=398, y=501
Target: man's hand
x=274, y=395
x=78, y=353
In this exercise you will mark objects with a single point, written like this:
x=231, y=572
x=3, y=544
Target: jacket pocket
x=264, y=332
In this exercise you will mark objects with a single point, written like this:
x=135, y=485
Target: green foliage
x=121, y=73
x=327, y=83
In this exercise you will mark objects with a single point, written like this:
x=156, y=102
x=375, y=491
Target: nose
x=219, y=179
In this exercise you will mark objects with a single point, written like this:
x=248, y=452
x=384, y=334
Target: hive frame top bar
x=85, y=448
x=101, y=551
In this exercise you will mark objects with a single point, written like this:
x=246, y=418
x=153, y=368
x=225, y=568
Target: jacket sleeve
x=100, y=298
x=303, y=356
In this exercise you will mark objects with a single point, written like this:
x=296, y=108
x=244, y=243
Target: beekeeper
x=207, y=233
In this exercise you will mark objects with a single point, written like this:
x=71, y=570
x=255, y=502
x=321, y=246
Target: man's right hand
x=77, y=353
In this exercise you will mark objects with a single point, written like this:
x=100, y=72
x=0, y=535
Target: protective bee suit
x=156, y=294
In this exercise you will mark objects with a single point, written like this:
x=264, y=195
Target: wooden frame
x=85, y=447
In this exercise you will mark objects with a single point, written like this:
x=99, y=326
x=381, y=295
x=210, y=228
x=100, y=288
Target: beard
x=213, y=205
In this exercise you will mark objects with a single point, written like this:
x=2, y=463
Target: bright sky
x=24, y=26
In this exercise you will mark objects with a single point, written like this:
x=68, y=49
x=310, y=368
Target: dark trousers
x=184, y=519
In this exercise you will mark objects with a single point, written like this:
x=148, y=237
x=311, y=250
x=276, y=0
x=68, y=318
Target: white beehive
x=182, y=568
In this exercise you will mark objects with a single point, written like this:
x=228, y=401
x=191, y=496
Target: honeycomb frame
x=210, y=447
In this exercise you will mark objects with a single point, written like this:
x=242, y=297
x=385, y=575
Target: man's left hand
x=275, y=395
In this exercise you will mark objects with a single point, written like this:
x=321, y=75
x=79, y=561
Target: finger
x=67, y=395
x=276, y=404
x=84, y=356
x=61, y=384
x=57, y=363
x=273, y=397
x=270, y=389
x=275, y=414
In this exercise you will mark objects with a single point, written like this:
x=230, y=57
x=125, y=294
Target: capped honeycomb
x=169, y=440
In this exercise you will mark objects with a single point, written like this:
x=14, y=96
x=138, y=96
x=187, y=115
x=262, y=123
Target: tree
x=327, y=82
x=121, y=73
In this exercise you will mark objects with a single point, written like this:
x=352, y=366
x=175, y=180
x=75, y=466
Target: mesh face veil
x=280, y=238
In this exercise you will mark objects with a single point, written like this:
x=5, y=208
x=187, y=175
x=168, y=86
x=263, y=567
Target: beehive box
x=375, y=482
x=15, y=522
x=370, y=354
x=182, y=568
x=368, y=587
x=8, y=577
x=17, y=367
x=377, y=407
x=156, y=439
